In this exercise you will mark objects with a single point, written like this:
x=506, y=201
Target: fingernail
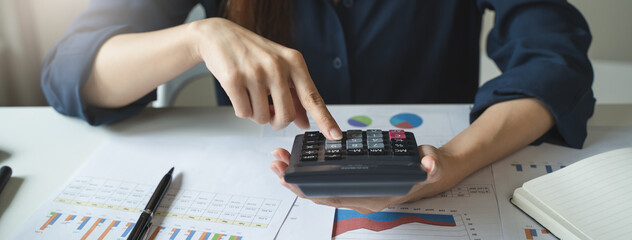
x=276, y=170
x=335, y=133
x=275, y=155
x=429, y=164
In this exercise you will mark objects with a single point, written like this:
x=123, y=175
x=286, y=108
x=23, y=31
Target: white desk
x=44, y=148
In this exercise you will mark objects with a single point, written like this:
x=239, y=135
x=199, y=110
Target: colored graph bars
x=531, y=233
x=547, y=167
x=349, y=220
x=102, y=228
x=192, y=205
x=173, y=233
x=51, y=220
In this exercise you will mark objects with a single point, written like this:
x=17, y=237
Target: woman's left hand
x=443, y=173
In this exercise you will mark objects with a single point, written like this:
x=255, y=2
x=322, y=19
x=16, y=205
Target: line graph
x=350, y=224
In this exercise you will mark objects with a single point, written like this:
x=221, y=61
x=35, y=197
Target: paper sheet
x=222, y=189
x=307, y=221
x=534, y=161
x=467, y=211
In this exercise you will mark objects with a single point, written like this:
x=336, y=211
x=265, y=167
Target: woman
x=304, y=54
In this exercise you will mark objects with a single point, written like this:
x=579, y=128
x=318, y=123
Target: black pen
x=144, y=221
x=5, y=175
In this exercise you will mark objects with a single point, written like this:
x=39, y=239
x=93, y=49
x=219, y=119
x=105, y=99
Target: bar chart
x=100, y=228
x=192, y=205
x=541, y=167
x=350, y=224
x=532, y=234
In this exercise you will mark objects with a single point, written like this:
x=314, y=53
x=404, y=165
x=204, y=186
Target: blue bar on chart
x=174, y=233
x=84, y=222
x=190, y=234
x=129, y=226
x=549, y=169
x=530, y=233
x=518, y=167
x=51, y=220
x=70, y=218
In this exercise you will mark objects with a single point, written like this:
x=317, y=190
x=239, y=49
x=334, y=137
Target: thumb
x=429, y=161
x=430, y=165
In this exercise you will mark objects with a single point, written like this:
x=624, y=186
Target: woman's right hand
x=250, y=68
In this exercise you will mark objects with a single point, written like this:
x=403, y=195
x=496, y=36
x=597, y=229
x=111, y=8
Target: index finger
x=311, y=100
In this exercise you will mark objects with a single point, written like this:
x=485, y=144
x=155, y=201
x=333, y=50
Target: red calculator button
x=396, y=134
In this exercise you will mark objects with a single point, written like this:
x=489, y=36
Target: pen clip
x=144, y=232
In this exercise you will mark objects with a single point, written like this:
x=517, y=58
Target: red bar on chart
x=204, y=236
x=527, y=233
x=107, y=230
x=70, y=218
x=99, y=221
x=155, y=233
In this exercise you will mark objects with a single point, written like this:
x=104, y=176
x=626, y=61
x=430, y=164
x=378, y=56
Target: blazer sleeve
x=541, y=48
x=69, y=63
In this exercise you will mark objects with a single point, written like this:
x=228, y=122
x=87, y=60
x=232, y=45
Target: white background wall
x=609, y=21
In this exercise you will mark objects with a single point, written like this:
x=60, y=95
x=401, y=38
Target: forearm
x=128, y=66
x=501, y=130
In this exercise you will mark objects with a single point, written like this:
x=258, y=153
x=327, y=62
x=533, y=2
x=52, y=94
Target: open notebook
x=591, y=199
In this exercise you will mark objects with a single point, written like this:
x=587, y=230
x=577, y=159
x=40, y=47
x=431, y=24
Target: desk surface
x=45, y=148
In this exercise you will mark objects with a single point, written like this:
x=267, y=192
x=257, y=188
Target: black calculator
x=362, y=164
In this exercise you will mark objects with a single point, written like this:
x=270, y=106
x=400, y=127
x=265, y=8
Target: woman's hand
x=250, y=68
x=443, y=174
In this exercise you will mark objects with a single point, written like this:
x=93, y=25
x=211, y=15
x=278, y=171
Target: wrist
x=193, y=36
x=462, y=163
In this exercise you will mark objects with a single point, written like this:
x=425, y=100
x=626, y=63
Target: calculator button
x=355, y=146
x=376, y=151
x=309, y=158
x=333, y=151
x=376, y=145
x=354, y=135
x=333, y=146
x=373, y=131
x=354, y=131
x=311, y=146
x=401, y=151
x=312, y=135
x=399, y=145
x=333, y=157
x=329, y=141
x=374, y=140
x=374, y=135
x=310, y=142
x=396, y=134
x=310, y=152
x=357, y=151
x=354, y=140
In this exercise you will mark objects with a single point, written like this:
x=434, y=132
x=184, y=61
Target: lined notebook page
x=594, y=194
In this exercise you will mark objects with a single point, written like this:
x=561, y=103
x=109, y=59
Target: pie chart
x=406, y=120
x=360, y=121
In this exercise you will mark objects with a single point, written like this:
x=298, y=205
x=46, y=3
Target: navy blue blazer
x=371, y=51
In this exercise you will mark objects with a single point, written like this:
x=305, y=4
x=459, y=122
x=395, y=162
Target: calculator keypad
x=357, y=143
